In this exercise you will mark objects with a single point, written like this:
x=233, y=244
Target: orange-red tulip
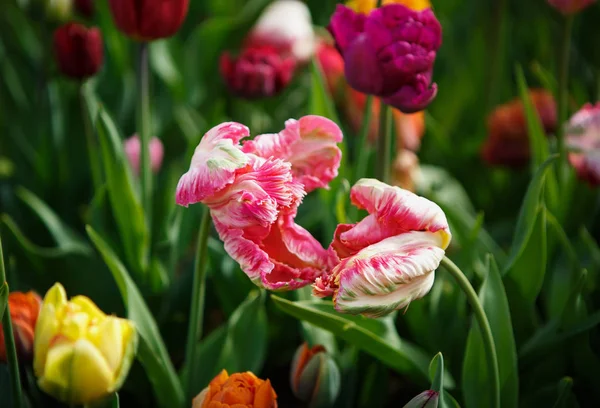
x=240, y=390
x=24, y=311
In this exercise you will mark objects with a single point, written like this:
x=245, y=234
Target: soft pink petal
x=385, y=276
x=351, y=238
x=214, y=164
x=309, y=144
x=400, y=208
x=258, y=194
x=286, y=257
x=132, y=147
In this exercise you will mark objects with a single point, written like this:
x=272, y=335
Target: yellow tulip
x=365, y=6
x=80, y=353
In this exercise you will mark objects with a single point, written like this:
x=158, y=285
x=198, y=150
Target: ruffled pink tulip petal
x=388, y=259
x=260, y=191
x=583, y=136
x=133, y=148
x=214, y=163
x=309, y=144
x=282, y=256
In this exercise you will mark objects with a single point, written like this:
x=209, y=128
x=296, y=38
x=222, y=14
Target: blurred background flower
x=508, y=141
x=132, y=147
x=79, y=50
x=570, y=6
x=583, y=137
x=24, y=311
x=147, y=20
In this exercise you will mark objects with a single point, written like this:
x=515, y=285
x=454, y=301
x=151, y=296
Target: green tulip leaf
x=125, y=204
x=527, y=215
x=564, y=393
x=436, y=372
x=377, y=337
x=475, y=378
x=239, y=345
x=152, y=352
x=65, y=238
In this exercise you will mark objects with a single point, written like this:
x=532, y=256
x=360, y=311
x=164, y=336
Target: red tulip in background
x=570, y=6
x=79, y=50
x=147, y=20
x=257, y=72
x=24, y=311
x=508, y=139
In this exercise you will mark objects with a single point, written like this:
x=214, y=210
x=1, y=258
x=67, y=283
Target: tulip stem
x=197, y=303
x=384, y=143
x=363, y=148
x=144, y=129
x=90, y=139
x=9, y=342
x=563, y=94
x=483, y=323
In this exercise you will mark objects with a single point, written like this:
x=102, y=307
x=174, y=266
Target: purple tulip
x=389, y=53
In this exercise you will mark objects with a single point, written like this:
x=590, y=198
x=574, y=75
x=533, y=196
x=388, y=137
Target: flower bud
x=240, y=390
x=80, y=354
x=568, y=7
x=147, y=20
x=78, y=50
x=133, y=148
x=257, y=72
x=426, y=399
x=24, y=310
x=315, y=378
x=59, y=10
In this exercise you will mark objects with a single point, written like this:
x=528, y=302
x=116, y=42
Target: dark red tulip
x=508, y=137
x=147, y=20
x=79, y=51
x=85, y=7
x=257, y=72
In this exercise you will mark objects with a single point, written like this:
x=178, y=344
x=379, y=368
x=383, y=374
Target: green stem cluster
x=9, y=342
x=484, y=326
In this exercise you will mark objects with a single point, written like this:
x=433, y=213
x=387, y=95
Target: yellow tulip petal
x=88, y=307
x=56, y=296
x=76, y=373
x=45, y=329
x=108, y=339
x=130, y=343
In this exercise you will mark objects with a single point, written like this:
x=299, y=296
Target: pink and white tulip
x=309, y=144
x=133, y=148
x=253, y=190
x=583, y=136
x=388, y=259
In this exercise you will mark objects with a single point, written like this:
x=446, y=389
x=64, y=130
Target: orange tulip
x=24, y=311
x=240, y=390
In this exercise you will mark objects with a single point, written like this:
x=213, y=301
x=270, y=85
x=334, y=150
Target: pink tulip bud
x=133, y=148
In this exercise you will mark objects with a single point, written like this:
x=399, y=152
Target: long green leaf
x=65, y=238
x=540, y=150
x=239, y=345
x=529, y=208
x=475, y=379
x=125, y=203
x=152, y=352
x=377, y=337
